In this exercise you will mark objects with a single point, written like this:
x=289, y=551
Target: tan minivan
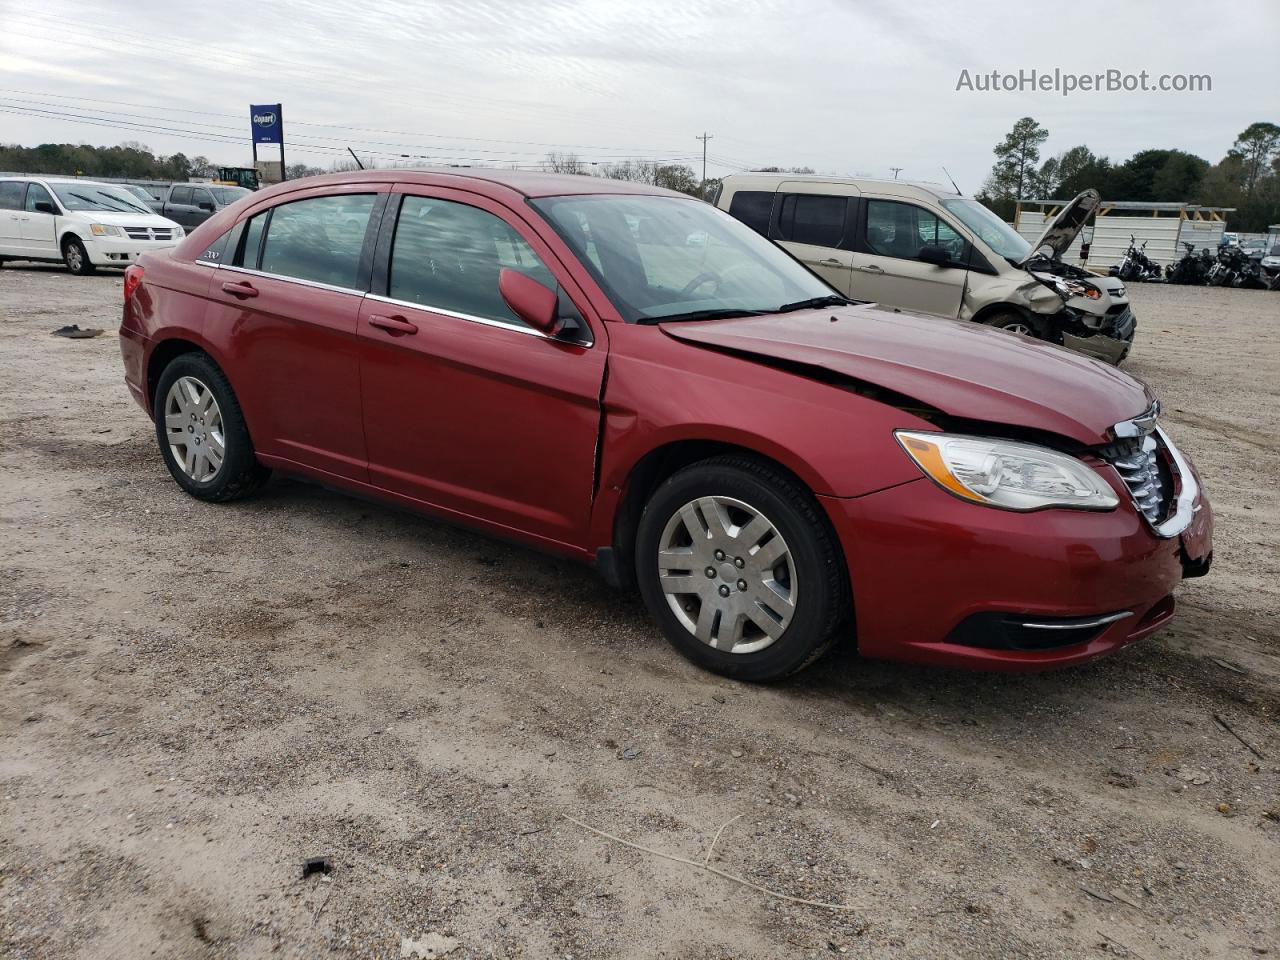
x=922, y=248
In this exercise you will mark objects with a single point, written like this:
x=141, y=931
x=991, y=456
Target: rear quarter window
x=753, y=207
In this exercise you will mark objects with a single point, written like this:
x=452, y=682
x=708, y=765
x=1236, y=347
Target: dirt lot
x=196, y=698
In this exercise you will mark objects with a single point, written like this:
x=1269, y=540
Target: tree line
x=1247, y=177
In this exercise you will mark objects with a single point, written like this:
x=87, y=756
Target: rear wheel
x=76, y=257
x=201, y=431
x=1015, y=322
x=740, y=568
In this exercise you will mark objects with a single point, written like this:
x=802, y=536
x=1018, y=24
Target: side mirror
x=44, y=206
x=205, y=205
x=528, y=299
x=935, y=255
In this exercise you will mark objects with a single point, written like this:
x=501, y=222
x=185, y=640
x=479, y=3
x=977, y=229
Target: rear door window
x=180, y=195
x=448, y=256
x=812, y=218
x=11, y=194
x=319, y=239
x=251, y=245
x=753, y=207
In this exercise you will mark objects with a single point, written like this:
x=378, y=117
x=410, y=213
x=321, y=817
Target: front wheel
x=76, y=257
x=1015, y=322
x=740, y=568
x=202, y=433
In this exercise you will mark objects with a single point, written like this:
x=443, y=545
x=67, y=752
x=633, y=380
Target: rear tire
x=198, y=420
x=761, y=579
x=1015, y=322
x=76, y=257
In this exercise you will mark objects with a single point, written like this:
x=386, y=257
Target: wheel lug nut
x=719, y=554
x=739, y=562
x=724, y=590
x=711, y=572
x=742, y=585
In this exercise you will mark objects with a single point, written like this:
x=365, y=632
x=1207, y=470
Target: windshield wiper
x=722, y=313
x=831, y=300
x=100, y=204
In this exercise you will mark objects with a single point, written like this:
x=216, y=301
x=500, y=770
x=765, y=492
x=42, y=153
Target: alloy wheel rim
x=73, y=257
x=1019, y=327
x=727, y=574
x=193, y=427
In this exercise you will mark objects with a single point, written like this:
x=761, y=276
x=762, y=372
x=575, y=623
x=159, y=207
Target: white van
x=82, y=223
x=922, y=248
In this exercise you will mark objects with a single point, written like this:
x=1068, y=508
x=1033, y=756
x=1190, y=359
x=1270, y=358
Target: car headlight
x=105, y=230
x=1006, y=474
x=1068, y=289
x=178, y=232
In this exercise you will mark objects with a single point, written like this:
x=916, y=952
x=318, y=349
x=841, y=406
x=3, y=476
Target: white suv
x=82, y=223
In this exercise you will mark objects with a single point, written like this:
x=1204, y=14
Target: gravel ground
x=196, y=698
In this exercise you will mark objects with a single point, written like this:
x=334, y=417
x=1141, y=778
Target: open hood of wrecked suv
x=961, y=368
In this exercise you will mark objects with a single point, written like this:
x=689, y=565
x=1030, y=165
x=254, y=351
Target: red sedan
x=631, y=377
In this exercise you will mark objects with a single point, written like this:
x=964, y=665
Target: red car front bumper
x=941, y=581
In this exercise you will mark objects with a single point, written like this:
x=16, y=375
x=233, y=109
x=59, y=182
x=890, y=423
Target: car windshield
x=993, y=231
x=228, y=195
x=98, y=196
x=139, y=192
x=665, y=257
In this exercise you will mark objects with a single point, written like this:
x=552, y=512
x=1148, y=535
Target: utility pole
x=704, y=138
x=896, y=171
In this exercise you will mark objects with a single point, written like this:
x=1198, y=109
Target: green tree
x=1255, y=147
x=1017, y=157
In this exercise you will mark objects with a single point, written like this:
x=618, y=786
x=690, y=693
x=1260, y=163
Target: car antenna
x=355, y=158
x=953, y=183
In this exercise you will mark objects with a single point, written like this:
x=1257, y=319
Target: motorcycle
x=1136, y=265
x=1193, y=268
x=1234, y=268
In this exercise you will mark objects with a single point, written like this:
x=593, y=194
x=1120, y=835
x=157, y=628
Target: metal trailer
x=1163, y=226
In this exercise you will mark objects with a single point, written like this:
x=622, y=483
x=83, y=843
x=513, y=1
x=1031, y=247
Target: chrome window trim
x=486, y=321
x=209, y=263
x=1185, y=508
x=299, y=280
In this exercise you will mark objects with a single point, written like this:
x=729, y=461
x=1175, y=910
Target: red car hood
x=958, y=367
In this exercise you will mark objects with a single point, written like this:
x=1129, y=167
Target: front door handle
x=830, y=262
x=241, y=290
x=396, y=325
x=871, y=268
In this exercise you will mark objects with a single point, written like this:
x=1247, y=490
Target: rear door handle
x=830, y=262
x=871, y=268
x=392, y=324
x=239, y=289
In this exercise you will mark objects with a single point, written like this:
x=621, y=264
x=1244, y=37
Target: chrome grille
x=1138, y=461
x=149, y=233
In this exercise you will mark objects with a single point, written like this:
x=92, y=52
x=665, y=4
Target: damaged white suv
x=921, y=248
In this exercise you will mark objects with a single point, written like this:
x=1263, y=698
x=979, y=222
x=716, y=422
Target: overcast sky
x=842, y=86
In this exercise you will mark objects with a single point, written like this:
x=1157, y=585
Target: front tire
x=202, y=433
x=76, y=257
x=740, y=568
x=1015, y=322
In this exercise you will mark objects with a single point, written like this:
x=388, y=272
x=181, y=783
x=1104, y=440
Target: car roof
x=83, y=181
x=873, y=183
x=496, y=183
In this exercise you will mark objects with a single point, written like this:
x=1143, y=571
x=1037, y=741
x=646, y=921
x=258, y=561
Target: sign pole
x=283, y=176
